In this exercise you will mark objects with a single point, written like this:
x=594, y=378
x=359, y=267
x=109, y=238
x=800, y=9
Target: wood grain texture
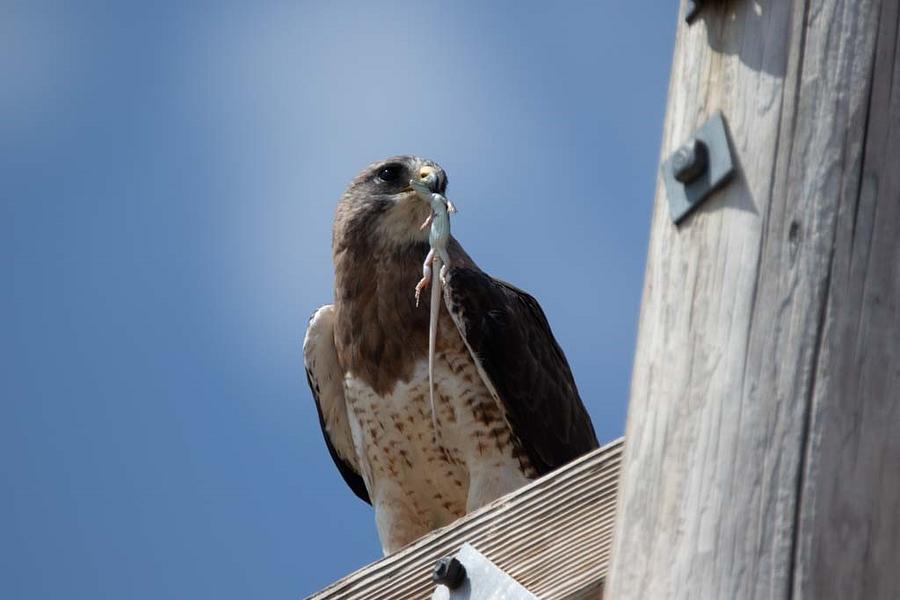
x=553, y=536
x=848, y=537
x=763, y=458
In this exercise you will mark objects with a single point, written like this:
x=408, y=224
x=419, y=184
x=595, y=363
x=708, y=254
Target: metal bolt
x=449, y=571
x=690, y=161
x=692, y=10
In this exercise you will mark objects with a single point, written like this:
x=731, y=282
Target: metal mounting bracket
x=471, y=576
x=698, y=168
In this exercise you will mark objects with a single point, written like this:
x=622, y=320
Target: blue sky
x=168, y=176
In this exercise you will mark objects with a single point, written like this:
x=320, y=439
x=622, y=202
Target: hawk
x=506, y=407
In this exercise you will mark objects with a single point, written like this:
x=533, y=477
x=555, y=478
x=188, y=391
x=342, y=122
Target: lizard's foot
x=423, y=283
x=444, y=269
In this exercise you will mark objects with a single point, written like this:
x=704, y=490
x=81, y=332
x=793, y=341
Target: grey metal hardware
x=698, y=168
x=690, y=161
x=481, y=580
x=450, y=572
x=692, y=10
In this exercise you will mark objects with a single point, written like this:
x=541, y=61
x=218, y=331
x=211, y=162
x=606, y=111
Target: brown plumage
x=507, y=406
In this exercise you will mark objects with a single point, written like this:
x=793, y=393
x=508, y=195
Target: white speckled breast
x=419, y=479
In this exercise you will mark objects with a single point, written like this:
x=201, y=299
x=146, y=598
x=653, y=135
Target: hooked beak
x=429, y=177
x=433, y=177
x=427, y=172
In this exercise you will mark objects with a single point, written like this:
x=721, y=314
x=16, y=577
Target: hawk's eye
x=389, y=173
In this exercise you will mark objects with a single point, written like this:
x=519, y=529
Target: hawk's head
x=380, y=202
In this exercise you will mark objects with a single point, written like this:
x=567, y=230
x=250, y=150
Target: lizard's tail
x=432, y=333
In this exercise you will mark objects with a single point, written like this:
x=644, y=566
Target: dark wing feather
x=348, y=472
x=509, y=336
x=325, y=377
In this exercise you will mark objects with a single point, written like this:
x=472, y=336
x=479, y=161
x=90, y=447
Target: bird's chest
x=401, y=451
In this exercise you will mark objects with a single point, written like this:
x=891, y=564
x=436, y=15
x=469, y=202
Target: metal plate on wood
x=698, y=168
x=483, y=581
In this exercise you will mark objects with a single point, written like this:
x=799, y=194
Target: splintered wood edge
x=553, y=535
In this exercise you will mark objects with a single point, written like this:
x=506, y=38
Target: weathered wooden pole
x=763, y=439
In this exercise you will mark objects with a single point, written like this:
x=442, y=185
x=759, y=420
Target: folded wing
x=326, y=380
x=523, y=366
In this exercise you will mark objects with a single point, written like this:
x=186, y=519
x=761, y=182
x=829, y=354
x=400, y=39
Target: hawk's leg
x=488, y=484
x=397, y=519
x=426, y=275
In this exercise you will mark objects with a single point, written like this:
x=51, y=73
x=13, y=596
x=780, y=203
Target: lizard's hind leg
x=426, y=275
x=445, y=265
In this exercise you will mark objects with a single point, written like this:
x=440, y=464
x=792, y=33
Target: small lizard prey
x=434, y=269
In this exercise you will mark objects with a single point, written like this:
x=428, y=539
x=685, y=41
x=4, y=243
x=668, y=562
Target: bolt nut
x=690, y=161
x=692, y=10
x=450, y=572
